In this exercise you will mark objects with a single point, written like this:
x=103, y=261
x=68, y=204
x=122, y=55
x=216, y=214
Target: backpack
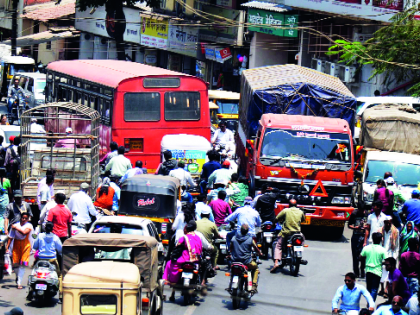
x=15, y=160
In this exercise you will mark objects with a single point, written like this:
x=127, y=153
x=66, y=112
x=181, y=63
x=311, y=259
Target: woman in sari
x=20, y=242
x=191, y=247
x=105, y=195
x=407, y=233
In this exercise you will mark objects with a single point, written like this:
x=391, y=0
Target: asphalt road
x=309, y=293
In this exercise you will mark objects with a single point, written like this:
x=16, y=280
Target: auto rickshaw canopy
x=144, y=253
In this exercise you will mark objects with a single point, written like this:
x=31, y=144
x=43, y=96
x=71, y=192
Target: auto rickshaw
x=227, y=107
x=9, y=65
x=93, y=283
x=153, y=197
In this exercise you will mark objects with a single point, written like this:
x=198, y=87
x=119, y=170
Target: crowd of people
x=385, y=252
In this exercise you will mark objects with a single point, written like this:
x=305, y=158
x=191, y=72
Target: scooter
x=17, y=109
x=292, y=253
x=43, y=282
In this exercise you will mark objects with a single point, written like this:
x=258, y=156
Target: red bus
x=138, y=104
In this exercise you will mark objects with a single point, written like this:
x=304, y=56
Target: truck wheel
x=252, y=186
x=337, y=232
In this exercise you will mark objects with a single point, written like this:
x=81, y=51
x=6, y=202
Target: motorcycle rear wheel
x=294, y=265
x=187, y=298
x=236, y=298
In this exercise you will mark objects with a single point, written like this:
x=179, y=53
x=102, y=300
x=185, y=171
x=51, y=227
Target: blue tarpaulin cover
x=292, y=90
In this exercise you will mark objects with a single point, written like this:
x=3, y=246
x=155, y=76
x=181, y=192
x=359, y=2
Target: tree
x=115, y=19
x=393, y=51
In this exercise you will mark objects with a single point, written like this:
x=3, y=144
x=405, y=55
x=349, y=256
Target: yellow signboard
x=154, y=33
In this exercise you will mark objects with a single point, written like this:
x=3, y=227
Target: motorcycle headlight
x=337, y=200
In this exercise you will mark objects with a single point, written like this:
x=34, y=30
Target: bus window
x=86, y=100
x=182, y=106
x=93, y=102
x=70, y=95
x=79, y=98
x=142, y=106
x=106, y=112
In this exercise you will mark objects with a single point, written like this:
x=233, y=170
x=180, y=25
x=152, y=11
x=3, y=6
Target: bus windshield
x=306, y=146
x=227, y=107
x=403, y=173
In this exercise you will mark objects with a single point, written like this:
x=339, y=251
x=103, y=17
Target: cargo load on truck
x=292, y=90
x=392, y=128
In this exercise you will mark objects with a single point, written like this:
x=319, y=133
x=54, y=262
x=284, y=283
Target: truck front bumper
x=325, y=216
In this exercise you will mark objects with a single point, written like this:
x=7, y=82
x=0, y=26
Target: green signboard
x=273, y=23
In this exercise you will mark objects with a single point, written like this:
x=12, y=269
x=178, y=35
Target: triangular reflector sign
x=323, y=192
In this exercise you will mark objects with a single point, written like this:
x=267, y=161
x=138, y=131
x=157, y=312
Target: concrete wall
x=265, y=50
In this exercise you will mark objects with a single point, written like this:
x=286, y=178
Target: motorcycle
x=292, y=253
x=240, y=284
x=17, y=109
x=220, y=243
x=206, y=268
x=43, y=282
x=190, y=281
x=265, y=238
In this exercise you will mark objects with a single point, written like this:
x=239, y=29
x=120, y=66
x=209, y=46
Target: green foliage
x=393, y=51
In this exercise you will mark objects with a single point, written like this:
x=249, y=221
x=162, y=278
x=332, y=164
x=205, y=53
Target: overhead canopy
x=43, y=37
x=151, y=184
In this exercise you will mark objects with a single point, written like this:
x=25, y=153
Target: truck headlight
x=337, y=200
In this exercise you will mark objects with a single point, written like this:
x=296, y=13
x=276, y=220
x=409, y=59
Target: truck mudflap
x=322, y=216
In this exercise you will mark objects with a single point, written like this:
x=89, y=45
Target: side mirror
x=358, y=174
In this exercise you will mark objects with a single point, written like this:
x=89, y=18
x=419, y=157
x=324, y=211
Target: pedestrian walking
x=412, y=208
x=61, y=217
x=357, y=224
x=413, y=305
x=385, y=195
x=5, y=196
x=398, y=198
x=407, y=233
x=374, y=254
x=20, y=243
x=397, y=284
x=410, y=265
x=14, y=211
x=374, y=221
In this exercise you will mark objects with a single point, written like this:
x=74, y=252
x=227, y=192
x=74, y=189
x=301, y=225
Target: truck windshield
x=403, y=173
x=306, y=145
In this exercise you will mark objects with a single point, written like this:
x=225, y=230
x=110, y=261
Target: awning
x=275, y=7
x=218, y=54
x=43, y=37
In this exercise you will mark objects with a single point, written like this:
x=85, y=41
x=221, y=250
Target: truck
x=295, y=134
x=389, y=136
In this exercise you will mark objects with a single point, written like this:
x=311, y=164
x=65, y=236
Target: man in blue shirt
x=350, y=294
x=412, y=208
x=208, y=169
x=393, y=309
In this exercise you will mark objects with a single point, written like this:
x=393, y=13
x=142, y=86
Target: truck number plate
x=298, y=248
x=40, y=286
x=307, y=221
x=187, y=275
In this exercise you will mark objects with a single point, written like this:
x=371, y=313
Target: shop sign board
x=154, y=33
x=273, y=23
x=378, y=10
x=183, y=39
x=123, y=25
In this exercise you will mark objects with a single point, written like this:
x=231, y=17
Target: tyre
x=336, y=232
x=264, y=248
x=294, y=263
x=187, y=298
x=236, y=298
x=1, y=271
x=252, y=186
x=272, y=251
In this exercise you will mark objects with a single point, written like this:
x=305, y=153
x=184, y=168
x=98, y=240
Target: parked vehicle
x=139, y=103
x=43, y=282
x=292, y=253
x=10, y=65
x=390, y=144
x=92, y=278
x=72, y=166
x=153, y=197
x=305, y=157
x=227, y=107
x=33, y=86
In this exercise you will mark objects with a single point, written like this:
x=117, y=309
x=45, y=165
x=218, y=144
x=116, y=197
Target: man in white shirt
x=374, y=221
x=222, y=135
x=81, y=204
x=413, y=305
x=183, y=175
x=35, y=127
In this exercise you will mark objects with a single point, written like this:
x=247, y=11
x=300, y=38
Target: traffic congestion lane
x=309, y=293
